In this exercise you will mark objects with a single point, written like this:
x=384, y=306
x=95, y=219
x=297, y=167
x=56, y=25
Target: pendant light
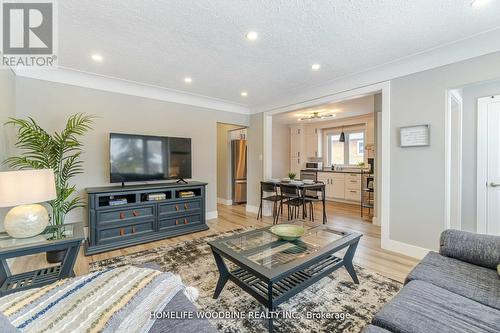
x=342, y=136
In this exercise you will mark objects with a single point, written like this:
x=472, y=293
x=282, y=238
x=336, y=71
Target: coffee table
x=273, y=270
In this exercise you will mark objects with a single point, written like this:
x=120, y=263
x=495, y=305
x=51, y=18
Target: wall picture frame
x=414, y=136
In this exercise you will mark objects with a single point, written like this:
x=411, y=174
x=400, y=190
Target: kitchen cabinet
x=296, y=166
x=341, y=186
x=296, y=142
x=313, y=142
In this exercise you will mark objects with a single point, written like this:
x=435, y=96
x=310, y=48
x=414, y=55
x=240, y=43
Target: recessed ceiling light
x=188, y=80
x=479, y=3
x=315, y=67
x=244, y=94
x=97, y=57
x=252, y=35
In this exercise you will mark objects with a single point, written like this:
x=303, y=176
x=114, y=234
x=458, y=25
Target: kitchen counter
x=330, y=170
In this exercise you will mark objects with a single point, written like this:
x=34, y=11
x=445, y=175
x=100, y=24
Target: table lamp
x=24, y=190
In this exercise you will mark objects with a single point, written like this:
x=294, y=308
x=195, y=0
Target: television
x=138, y=158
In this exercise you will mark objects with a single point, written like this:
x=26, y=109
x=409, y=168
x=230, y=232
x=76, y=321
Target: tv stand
x=123, y=216
x=181, y=180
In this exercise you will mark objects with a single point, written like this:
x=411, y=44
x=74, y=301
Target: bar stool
x=275, y=198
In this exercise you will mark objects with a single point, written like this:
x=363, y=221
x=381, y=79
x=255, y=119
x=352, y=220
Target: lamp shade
x=26, y=187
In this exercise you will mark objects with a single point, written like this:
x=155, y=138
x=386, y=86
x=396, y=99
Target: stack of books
x=117, y=202
x=156, y=196
x=186, y=194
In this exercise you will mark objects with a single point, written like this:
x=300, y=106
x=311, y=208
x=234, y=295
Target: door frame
x=453, y=180
x=383, y=155
x=482, y=164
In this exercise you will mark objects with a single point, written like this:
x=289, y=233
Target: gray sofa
x=455, y=290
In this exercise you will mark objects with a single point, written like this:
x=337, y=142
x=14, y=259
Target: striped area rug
x=112, y=300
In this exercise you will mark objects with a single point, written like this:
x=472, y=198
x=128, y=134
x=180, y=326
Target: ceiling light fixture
x=317, y=115
x=479, y=3
x=252, y=35
x=315, y=67
x=188, y=80
x=97, y=57
x=244, y=94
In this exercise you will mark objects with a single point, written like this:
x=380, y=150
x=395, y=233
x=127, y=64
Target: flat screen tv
x=137, y=158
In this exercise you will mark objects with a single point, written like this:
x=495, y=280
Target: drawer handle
x=135, y=213
x=133, y=230
x=176, y=207
x=354, y=181
x=186, y=221
x=186, y=206
x=353, y=191
x=122, y=216
x=176, y=222
x=122, y=232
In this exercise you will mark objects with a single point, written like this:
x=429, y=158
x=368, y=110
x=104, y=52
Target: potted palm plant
x=61, y=152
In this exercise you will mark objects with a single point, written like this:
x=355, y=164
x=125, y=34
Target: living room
x=83, y=215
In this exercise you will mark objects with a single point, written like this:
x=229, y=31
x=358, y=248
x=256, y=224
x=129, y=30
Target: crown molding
x=111, y=84
x=467, y=48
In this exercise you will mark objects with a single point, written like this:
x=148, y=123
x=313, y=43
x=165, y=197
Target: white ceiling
x=349, y=108
x=159, y=42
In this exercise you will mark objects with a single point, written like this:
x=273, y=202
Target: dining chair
x=312, y=195
x=291, y=197
x=275, y=198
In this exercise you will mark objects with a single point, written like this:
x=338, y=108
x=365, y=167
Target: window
x=352, y=151
x=336, y=150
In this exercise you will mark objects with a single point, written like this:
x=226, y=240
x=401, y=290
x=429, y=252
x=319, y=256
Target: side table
x=18, y=247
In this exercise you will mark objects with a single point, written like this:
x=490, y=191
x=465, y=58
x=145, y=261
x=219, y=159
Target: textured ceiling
x=349, y=108
x=160, y=42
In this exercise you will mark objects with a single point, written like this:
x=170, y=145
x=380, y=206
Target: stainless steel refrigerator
x=239, y=170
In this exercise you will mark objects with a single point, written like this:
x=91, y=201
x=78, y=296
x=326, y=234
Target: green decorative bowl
x=287, y=232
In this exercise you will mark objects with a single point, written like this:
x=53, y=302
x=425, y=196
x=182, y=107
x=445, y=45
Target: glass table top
x=7, y=242
x=266, y=249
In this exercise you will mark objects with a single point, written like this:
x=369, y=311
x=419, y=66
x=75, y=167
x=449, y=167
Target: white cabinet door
x=296, y=166
x=312, y=145
x=338, y=188
x=296, y=142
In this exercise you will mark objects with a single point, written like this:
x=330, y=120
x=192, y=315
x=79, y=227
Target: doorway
x=488, y=165
x=231, y=185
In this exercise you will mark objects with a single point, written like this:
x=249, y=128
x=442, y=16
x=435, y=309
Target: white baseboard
x=212, y=215
x=252, y=209
x=375, y=221
x=223, y=201
x=404, y=248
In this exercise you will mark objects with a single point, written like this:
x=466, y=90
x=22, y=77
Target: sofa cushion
x=423, y=307
x=477, y=249
x=374, y=329
x=475, y=282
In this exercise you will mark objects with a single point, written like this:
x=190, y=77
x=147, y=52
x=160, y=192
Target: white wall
x=255, y=151
x=470, y=94
x=51, y=104
x=7, y=109
x=417, y=202
x=280, y=150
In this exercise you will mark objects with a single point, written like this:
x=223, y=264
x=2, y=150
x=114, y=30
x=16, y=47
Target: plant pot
x=53, y=257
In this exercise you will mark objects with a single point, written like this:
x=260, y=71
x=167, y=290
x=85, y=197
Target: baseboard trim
x=223, y=201
x=404, y=248
x=252, y=209
x=212, y=215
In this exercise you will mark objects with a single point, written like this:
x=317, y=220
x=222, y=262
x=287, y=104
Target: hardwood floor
x=343, y=216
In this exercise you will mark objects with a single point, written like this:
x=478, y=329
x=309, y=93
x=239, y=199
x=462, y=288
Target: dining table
x=303, y=188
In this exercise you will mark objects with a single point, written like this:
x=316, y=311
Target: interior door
x=489, y=165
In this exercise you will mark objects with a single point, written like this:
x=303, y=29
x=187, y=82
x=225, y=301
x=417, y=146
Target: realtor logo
x=28, y=32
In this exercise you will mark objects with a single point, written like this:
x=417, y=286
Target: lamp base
x=26, y=221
